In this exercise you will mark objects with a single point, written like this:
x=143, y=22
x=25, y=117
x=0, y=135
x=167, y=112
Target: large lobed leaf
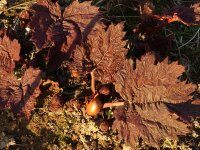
x=151, y=82
x=48, y=23
x=62, y=32
x=82, y=13
x=151, y=122
x=104, y=50
x=79, y=20
x=108, y=52
x=9, y=53
x=86, y=16
x=11, y=91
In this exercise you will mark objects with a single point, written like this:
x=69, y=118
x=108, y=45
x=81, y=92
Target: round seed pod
x=94, y=106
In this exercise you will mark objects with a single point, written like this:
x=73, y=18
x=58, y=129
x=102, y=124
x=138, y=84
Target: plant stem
x=115, y=104
x=92, y=82
x=105, y=105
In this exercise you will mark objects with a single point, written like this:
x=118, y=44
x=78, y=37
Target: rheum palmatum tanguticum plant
x=148, y=84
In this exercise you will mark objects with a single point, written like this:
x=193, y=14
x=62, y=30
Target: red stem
x=92, y=82
x=115, y=104
x=105, y=105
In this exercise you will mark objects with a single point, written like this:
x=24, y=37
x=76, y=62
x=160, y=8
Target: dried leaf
x=152, y=123
x=9, y=53
x=73, y=34
x=30, y=82
x=53, y=87
x=107, y=52
x=151, y=82
x=10, y=90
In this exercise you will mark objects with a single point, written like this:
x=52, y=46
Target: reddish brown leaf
x=74, y=34
x=151, y=82
x=45, y=13
x=107, y=51
x=60, y=31
x=186, y=15
x=20, y=97
x=10, y=90
x=82, y=63
x=84, y=14
x=9, y=53
x=152, y=123
x=62, y=53
x=53, y=8
x=63, y=33
x=30, y=81
x=55, y=33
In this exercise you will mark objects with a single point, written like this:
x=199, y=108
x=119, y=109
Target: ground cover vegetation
x=101, y=74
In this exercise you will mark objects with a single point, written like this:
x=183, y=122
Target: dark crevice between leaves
x=187, y=110
x=40, y=37
x=62, y=50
